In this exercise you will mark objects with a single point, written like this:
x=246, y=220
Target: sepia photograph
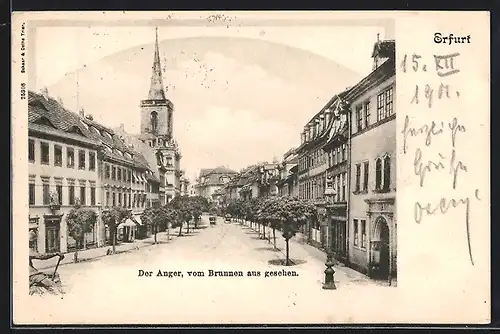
x=214, y=168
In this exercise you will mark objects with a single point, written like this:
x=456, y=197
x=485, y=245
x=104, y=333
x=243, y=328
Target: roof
x=53, y=116
x=156, y=91
x=47, y=115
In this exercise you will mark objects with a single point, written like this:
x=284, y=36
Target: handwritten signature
x=442, y=207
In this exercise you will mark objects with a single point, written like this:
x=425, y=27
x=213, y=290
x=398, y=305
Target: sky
x=241, y=93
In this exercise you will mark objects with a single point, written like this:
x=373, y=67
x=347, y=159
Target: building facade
x=211, y=180
x=372, y=199
x=288, y=180
x=312, y=166
x=63, y=171
x=337, y=180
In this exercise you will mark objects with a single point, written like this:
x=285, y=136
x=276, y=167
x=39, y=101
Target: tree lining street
x=209, y=299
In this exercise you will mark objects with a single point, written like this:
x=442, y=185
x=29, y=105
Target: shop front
x=337, y=214
x=53, y=233
x=33, y=229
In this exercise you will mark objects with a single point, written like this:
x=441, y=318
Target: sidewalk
x=300, y=250
x=122, y=247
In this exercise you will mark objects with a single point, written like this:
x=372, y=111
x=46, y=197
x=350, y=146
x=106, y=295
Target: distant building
x=212, y=179
x=288, y=179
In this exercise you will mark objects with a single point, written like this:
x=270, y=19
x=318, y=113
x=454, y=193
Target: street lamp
x=329, y=283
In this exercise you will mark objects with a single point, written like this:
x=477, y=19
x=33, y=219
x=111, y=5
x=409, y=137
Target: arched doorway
x=382, y=234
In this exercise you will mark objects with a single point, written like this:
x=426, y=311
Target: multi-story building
x=184, y=181
x=211, y=180
x=372, y=196
x=288, y=180
x=63, y=171
x=337, y=179
x=269, y=178
x=74, y=159
x=312, y=171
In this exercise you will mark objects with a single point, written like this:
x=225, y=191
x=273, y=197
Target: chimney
x=45, y=93
x=122, y=127
x=82, y=112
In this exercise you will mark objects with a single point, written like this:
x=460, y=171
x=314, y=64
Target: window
x=356, y=232
x=31, y=150
x=344, y=177
x=344, y=152
x=334, y=157
x=81, y=159
x=57, y=155
x=387, y=173
x=46, y=193
x=31, y=193
x=119, y=174
x=83, y=195
x=91, y=160
x=358, y=177
x=378, y=174
x=113, y=173
x=71, y=190
x=129, y=176
x=363, y=233
x=124, y=174
x=389, y=107
x=365, y=175
x=129, y=200
x=44, y=152
x=107, y=198
x=154, y=122
x=59, y=193
x=107, y=171
x=359, y=118
x=124, y=200
x=114, y=199
x=70, y=155
x=135, y=201
x=380, y=106
x=367, y=113
x=119, y=199
x=92, y=195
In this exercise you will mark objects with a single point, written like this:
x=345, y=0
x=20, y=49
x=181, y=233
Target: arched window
x=387, y=172
x=154, y=121
x=378, y=174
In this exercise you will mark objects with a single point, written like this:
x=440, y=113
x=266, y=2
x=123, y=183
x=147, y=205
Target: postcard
x=263, y=167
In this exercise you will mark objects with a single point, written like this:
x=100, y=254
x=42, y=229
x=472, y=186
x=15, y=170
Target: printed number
x=415, y=64
x=23, y=91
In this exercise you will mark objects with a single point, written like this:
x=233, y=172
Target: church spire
x=156, y=91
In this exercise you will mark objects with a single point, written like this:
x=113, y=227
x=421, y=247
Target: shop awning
x=138, y=220
x=135, y=178
x=129, y=222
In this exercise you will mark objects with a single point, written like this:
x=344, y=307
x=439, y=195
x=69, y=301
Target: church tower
x=157, y=132
x=157, y=110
